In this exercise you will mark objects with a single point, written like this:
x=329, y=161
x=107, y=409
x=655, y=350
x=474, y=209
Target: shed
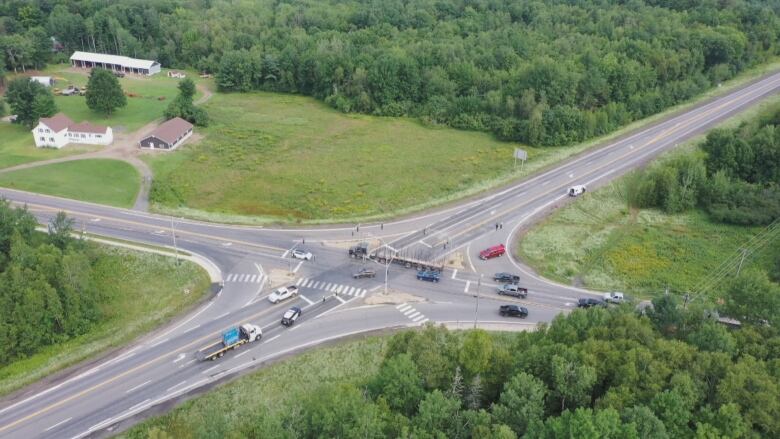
x=169, y=135
x=115, y=63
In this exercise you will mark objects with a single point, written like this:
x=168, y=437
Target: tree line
x=734, y=175
x=544, y=72
x=47, y=292
x=671, y=372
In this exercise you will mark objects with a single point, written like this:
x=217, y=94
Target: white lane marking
x=401, y=306
x=340, y=300
x=351, y=290
x=138, y=386
x=468, y=257
x=242, y=353
x=273, y=338
x=362, y=293
x=334, y=308
x=254, y=278
x=297, y=267
x=298, y=282
x=259, y=268
x=180, y=357
x=328, y=287
x=160, y=342
x=138, y=405
x=454, y=272
x=425, y=244
x=417, y=319
x=409, y=312
x=304, y=298
x=414, y=314
x=221, y=315
x=175, y=386
x=211, y=368
x=468, y=284
x=338, y=290
x=375, y=288
x=227, y=244
x=229, y=278
x=284, y=255
x=58, y=424
x=544, y=183
x=316, y=285
x=95, y=220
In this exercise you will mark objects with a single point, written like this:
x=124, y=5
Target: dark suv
x=429, y=275
x=289, y=318
x=513, y=311
x=508, y=278
x=589, y=302
x=365, y=272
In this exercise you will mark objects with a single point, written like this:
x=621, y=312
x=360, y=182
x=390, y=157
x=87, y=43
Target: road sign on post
x=522, y=155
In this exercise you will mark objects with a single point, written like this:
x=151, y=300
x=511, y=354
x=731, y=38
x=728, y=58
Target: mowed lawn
x=141, y=291
x=598, y=242
x=294, y=158
x=17, y=147
x=104, y=181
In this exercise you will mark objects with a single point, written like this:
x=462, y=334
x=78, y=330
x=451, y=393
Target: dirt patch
x=393, y=297
x=346, y=244
x=278, y=277
x=456, y=260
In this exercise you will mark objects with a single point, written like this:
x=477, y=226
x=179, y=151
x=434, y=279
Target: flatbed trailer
x=382, y=254
x=231, y=339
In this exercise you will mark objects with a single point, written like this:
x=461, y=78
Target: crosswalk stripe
x=254, y=276
x=338, y=291
x=240, y=278
x=327, y=288
x=335, y=287
x=306, y=283
x=299, y=281
x=418, y=318
x=351, y=290
x=315, y=285
x=423, y=322
x=363, y=293
x=409, y=311
x=400, y=306
x=230, y=277
x=404, y=307
x=413, y=315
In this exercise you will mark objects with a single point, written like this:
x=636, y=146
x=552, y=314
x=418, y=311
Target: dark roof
x=170, y=130
x=86, y=127
x=57, y=123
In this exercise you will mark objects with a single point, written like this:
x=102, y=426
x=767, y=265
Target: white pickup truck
x=614, y=297
x=283, y=293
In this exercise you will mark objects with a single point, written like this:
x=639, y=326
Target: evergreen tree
x=104, y=94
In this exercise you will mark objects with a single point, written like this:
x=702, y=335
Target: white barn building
x=58, y=130
x=117, y=63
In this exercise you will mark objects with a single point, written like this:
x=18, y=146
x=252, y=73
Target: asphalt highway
x=108, y=396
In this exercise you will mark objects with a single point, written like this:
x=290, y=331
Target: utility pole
x=175, y=248
x=744, y=254
x=476, y=308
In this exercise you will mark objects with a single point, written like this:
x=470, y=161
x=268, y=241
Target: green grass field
x=270, y=390
x=143, y=291
x=17, y=147
x=103, y=181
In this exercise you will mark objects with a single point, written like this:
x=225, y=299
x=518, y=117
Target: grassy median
x=142, y=291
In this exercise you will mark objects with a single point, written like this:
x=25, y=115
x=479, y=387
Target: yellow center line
x=147, y=226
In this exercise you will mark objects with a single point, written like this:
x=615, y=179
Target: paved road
x=109, y=396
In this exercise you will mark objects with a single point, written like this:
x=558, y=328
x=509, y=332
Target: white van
x=576, y=190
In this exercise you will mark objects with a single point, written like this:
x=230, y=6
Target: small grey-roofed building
x=169, y=135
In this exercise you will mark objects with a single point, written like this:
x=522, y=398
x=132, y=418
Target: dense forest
x=594, y=374
x=734, y=175
x=47, y=291
x=544, y=72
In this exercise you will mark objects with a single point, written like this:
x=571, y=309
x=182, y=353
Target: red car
x=492, y=252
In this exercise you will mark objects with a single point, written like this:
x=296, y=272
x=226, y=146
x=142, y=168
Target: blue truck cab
x=429, y=275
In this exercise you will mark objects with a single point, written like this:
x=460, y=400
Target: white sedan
x=302, y=254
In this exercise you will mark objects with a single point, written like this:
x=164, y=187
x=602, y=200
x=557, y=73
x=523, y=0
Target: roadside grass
x=104, y=181
x=271, y=390
x=143, y=291
x=284, y=158
x=17, y=147
x=599, y=242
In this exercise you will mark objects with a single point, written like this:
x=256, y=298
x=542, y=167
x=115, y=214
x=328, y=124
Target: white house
x=58, y=130
x=117, y=63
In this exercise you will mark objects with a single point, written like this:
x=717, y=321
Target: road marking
x=340, y=300
x=242, y=353
x=138, y=405
x=351, y=290
x=138, y=386
x=327, y=286
x=409, y=311
x=425, y=243
x=297, y=267
x=95, y=220
x=414, y=314
x=284, y=255
x=401, y=306
x=417, y=319
x=423, y=321
x=160, y=342
x=211, y=368
x=468, y=283
x=454, y=272
x=58, y=424
x=175, y=386
x=304, y=298
x=180, y=357
x=338, y=290
x=298, y=282
x=316, y=285
x=227, y=244
x=221, y=315
x=273, y=338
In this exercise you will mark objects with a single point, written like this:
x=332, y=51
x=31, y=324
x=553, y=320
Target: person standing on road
x=496, y=226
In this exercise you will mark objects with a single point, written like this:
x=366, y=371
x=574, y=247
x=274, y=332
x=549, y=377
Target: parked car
x=492, y=252
x=292, y=314
x=429, y=275
x=577, y=190
x=302, y=254
x=283, y=293
x=513, y=290
x=364, y=272
x=506, y=278
x=513, y=311
x=614, y=297
x=590, y=302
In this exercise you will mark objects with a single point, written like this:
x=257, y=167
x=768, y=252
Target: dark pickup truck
x=359, y=251
x=513, y=290
x=506, y=278
x=429, y=275
x=513, y=311
x=590, y=302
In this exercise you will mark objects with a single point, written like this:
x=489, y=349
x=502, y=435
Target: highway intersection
x=248, y=262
